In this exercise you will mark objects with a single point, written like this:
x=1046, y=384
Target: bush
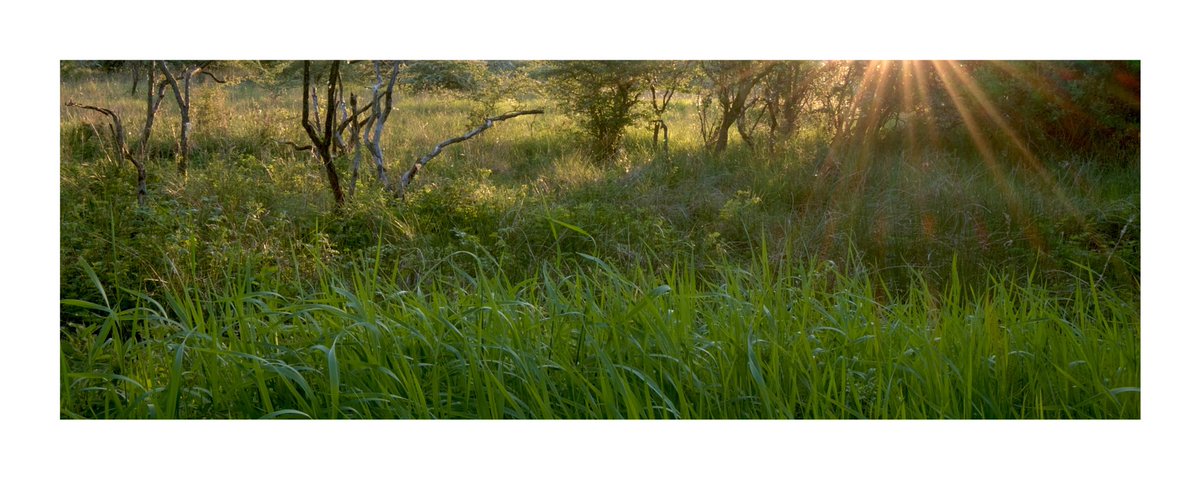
x=601, y=96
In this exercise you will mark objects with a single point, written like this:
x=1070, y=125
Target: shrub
x=601, y=96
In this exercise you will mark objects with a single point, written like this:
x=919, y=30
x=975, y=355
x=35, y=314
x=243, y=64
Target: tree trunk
x=666, y=138
x=153, y=101
x=354, y=143
x=380, y=114
x=324, y=140
x=733, y=108
x=660, y=125
x=185, y=129
x=659, y=105
x=137, y=76
x=183, y=99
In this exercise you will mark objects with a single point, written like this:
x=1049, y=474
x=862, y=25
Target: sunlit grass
x=519, y=279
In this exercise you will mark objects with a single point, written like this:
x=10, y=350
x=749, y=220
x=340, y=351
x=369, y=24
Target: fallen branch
x=402, y=186
x=122, y=150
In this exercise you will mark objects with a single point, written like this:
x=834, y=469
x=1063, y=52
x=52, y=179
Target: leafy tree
x=601, y=96
x=730, y=84
x=503, y=87
x=786, y=95
x=839, y=82
x=1075, y=105
x=664, y=79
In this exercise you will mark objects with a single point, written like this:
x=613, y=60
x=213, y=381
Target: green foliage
x=1076, y=105
x=601, y=96
x=503, y=87
x=432, y=76
x=211, y=114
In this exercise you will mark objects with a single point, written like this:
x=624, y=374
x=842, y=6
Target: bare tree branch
x=355, y=144
x=210, y=75
x=118, y=132
x=316, y=108
x=354, y=115
x=487, y=123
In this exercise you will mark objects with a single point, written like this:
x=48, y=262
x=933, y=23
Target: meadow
x=520, y=279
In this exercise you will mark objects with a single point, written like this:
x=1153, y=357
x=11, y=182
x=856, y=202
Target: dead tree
x=183, y=96
x=402, y=184
x=323, y=141
x=356, y=127
x=118, y=132
x=381, y=109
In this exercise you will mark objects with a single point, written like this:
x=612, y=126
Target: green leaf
x=283, y=412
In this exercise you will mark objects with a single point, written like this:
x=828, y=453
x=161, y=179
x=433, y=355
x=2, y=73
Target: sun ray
x=878, y=92
x=907, y=71
x=1027, y=156
x=926, y=101
x=974, y=130
x=1041, y=85
x=836, y=160
x=851, y=198
x=869, y=78
x=997, y=119
x=911, y=83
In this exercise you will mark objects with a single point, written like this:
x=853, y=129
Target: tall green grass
x=586, y=339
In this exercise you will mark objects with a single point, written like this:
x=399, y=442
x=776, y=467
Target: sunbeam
x=983, y=147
